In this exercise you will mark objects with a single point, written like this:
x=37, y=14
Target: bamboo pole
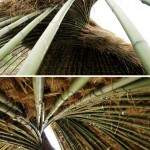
x=13, y=25
x=140, y=46
x=77, y=84
x=4, y=100
x=21, y=120
x=8, y=21
x=6, y=49
x=14, y=127
x=99, y=93
x=87, y=133
x=38, y=85
x=146, y=2
x=40, y=49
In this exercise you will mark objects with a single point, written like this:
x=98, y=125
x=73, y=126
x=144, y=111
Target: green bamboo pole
x=8, y=21
x=140, y=46
x=77, y=84
x=126, y=136
x=13, y=25
x=17, y=138
x=87, y=133
x=7, y=48
x=4, y=100
x=21, y=120
x=15, y=128
x=116, y=121
x=117, y=140
x=3, y=19
x=38, y=85
x=67, y=129
x=99, y=93
x=99, y=125
x=140, y=83
x=146, y=2
x=66, y=136
x=40, y=49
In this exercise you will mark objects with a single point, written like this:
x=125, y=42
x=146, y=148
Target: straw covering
x=97, y=113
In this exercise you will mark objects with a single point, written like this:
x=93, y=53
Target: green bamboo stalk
x=140, y=83
x=13, y=25
x=40, y=49
x=14, y=127
x=4, y=100
x=126, y=136
x=21, y=120
x=115, y=139
x=38, y=85
x=6, y=49
x=99, y=93
x=66, y=136
x=146, y=2
x=87, y=133
x=116, y=121
x=140, y=46
x=68, y=130
x=77, y=84
x=15, y=135
x=3, y=19
x=16, y=142
x=6, y=22
x=17, y=138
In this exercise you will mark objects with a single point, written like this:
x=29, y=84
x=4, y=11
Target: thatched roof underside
x=115, y=116
x=79, y=47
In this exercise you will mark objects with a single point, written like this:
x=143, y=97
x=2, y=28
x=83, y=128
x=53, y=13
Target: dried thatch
x=113, y=121
x=79, y=47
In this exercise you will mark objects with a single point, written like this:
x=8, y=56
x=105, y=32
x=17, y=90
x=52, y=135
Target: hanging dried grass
x=19, y=7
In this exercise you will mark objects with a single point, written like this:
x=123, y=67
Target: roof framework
x=85, y=113
x=63, y=29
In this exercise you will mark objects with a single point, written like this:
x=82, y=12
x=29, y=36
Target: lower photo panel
x=74, y=113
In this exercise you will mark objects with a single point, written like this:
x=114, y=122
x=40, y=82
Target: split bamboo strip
x=140, y=46
x=38, y=84
x=6, y=49
x=40, y=49
x=77, y=84
x=13, y=25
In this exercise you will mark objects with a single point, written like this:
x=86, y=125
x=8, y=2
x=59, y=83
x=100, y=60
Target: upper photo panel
x=74, y=37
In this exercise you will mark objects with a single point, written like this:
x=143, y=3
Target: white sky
x=138, y=13
x=52, y=138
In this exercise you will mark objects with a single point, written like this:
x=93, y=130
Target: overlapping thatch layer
x=74, y=45
x=85, y=113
